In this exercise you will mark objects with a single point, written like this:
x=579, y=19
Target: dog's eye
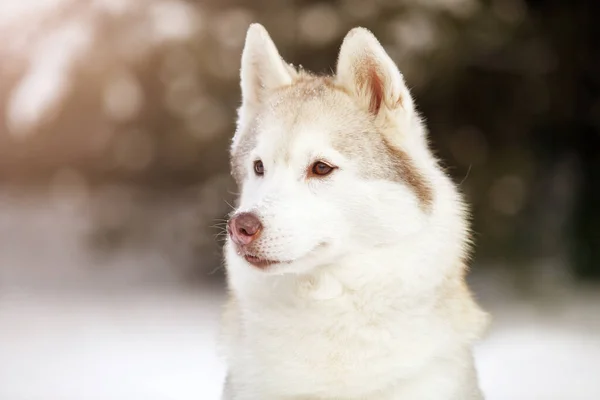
x=259, y=168
x=320, y=169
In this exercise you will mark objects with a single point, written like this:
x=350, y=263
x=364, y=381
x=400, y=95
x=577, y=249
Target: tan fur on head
x=367, y=71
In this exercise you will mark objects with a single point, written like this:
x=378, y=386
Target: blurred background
x=115, y=119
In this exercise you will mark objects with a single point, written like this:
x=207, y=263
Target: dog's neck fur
x=428, y=328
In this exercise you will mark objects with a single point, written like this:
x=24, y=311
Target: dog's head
x=327, y=166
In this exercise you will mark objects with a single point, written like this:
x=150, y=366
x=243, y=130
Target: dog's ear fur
x=262, y=68
x=368, y=72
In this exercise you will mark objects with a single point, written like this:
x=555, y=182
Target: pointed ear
x=366, y=70
x=262, y=67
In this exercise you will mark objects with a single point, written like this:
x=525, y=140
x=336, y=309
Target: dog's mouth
x=268, y=264
x=261, y=263
x=256, y=260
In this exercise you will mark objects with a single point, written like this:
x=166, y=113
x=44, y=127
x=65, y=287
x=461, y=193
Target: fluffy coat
x=363, y=297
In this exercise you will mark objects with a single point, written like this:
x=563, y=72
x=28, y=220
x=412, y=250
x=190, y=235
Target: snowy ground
x=147, y=346
x=160, y=344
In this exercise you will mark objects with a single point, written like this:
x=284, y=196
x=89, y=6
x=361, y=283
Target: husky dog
x=347, y=253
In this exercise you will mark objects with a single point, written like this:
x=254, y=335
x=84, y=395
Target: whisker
x=466, y=176
x=226, y=202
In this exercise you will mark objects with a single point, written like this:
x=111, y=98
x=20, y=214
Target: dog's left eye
x=259, y=168
x=320, y=169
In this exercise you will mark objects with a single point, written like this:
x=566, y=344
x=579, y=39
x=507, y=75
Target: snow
x=148, y=346
x=154, y=344
x=547, y=363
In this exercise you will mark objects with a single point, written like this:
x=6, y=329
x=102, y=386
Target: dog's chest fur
x=313, y=338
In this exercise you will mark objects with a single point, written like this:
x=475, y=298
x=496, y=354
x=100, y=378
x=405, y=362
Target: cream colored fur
x=369, y=301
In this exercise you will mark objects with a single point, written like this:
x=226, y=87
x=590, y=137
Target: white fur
x=263, y=69
x=370, y=302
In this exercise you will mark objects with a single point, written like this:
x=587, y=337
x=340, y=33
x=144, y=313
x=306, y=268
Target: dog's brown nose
x=244, y=228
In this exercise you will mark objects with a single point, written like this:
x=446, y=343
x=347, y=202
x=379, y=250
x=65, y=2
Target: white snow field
x=160, y=344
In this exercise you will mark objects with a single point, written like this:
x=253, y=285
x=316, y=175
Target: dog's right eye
x=259, y=168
